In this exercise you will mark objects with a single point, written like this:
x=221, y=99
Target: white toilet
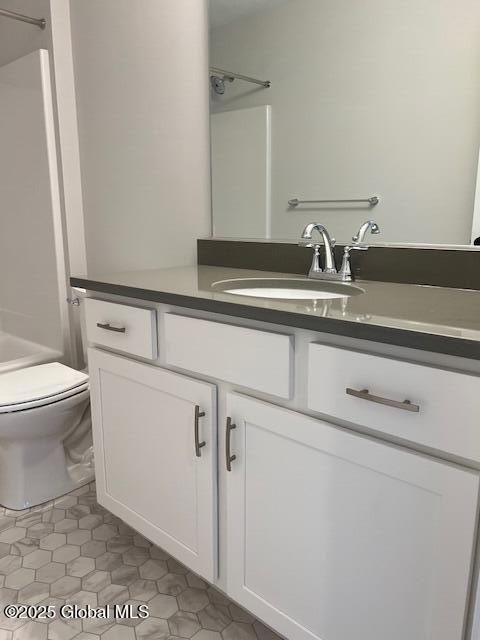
x=39, y=406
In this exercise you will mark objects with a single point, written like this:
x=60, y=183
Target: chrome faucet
x=371, y=225
x=330, y=271
x=346, y=270
x=329, y=243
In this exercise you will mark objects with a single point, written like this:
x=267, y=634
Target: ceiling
x=222, y=12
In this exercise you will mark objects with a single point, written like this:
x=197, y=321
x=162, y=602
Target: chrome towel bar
x=231, y=76
x=38, y=22
x=372, y=201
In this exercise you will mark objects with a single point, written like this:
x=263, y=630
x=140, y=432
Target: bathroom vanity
x=318, y=461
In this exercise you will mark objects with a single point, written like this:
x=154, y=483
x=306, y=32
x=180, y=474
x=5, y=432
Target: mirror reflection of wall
x=370, y=97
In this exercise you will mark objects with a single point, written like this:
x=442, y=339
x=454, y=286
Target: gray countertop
x=435, y=319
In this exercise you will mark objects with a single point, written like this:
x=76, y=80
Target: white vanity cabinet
x=324, y=533
x=155, y=455
x=334, y=536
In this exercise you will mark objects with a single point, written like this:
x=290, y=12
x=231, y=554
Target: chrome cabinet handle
x=198, y=445
x=108, y=327
x=228, y=457
x=364, y=394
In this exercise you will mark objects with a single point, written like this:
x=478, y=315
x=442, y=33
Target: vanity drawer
x=433, y=407
x=122, y=327
x=252, y=358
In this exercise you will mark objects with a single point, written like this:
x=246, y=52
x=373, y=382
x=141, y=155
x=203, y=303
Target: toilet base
x=32, y=471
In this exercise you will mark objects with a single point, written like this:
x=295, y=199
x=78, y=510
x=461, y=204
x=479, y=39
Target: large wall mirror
x=371, y=104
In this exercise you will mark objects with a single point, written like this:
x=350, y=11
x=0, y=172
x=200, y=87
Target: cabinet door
x=334, y=536
x=149, y=471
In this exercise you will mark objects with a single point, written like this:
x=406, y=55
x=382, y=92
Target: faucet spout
x=327, y=241
x=369, y=225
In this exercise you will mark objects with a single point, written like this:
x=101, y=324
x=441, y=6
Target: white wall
x=31, y=247
x=369, y=97
x=142, y=98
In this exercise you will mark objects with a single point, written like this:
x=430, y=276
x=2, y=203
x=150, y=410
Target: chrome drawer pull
x=198, y=445
x=228, y=457
x=108, y=327
x=364, y=394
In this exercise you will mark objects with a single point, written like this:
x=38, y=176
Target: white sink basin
x=286, y=288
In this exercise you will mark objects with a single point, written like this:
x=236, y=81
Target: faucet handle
x=316, y=266
x=346, y=269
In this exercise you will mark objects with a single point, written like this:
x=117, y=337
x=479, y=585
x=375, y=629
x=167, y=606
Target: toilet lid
x=44, y=382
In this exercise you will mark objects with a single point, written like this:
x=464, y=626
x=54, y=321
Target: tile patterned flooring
x=73, y=551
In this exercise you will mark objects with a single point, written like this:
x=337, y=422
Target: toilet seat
x=38, y=386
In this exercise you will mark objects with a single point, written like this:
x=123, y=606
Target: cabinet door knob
x=198, y=445
x=365, y=394
x=228, y=457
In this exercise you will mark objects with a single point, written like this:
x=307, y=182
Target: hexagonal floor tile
x=62, y=630
x=65, y=587
x=79, y=537
x=6, y=523
x=153, y=569
x=66, y=501
x=96, y=581
x=109, y=561
x=195, y=581
x=40, y=530
x=78, y=511
x=33, y=593
x=13, y=534
x=53, y=515
x=162, y=606
x=158, y=554
x=28, y=520
x=176, y=567
x=172, y=584
x=263, y=632
x=143, y=589
x=25, y=546
x=10, y=563
x=53, y=541
x=104, y=532
x=90, y=522
x=31, y=631
x=74, y=551
x=51, y=572
x=152, y=628
x=239, y=631
x=66, y=553
x=183, y=624
x=136, y=556
x=240, y=615
x=193, y=600
x=215, y=617
x=113, y=594
x=93, y=549
x=83, y=599
x=37, y=559
x=205, y=634
x=80, y=567
x=119, y=632
x=66, y=525
x=120, y=544
x=19, y=578
x=125, y=575
x=8, y=596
